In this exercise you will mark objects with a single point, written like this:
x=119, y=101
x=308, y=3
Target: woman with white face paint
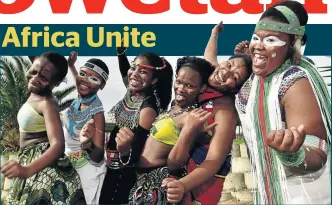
x=85, y=148
x=285, y=109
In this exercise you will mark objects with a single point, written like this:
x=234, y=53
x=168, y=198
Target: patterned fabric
x=73, y=121
x=259, y=108
x=79, y=159
x=56, y=184
x=289, y=78
x=119, y=178
x=147, y=189
x=126, y=112
x=210, y=191
x=292, y=75
x=91, y=173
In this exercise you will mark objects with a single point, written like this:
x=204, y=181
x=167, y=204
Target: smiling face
x=187, y=87
x=140, y=78
x=41, y=76
x=88, y=82
x=269, y=50
x=229, y=75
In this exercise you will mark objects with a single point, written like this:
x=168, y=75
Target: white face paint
x=92, y=79
x=268, y=41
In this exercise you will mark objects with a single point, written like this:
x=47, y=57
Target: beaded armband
x=314, y=141
x=290, y=159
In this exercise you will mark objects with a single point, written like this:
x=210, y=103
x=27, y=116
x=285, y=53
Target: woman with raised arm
x=149, y=81
x=86, y=150
x=210, y=158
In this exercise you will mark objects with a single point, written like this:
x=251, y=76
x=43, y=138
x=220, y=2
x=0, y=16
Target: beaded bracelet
x=213, y=35
x=316, y=142
x=124, y=164
x=290, y=159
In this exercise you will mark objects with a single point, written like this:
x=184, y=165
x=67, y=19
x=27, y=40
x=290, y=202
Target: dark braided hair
x=164, y=84
x=202, y=66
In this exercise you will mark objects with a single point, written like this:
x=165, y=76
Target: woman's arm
x=211, y=50
x=301, y=108
x=135, y=140
x=124, y=64
x=96, y=154
x=220, y=145
x=192, y=128
x=55, y=136
x=71, y=64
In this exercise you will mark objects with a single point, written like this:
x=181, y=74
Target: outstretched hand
x=197, y=118
x=288, y=140
x=72, y=59
x=88, y=131
x=122, y=49
x=242, y=48
x=218, y=28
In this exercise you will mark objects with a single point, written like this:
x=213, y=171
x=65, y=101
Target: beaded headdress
x=293, y=27
x=97, y=69
x=151, y=67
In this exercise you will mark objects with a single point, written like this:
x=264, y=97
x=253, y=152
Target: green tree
x=14, y=93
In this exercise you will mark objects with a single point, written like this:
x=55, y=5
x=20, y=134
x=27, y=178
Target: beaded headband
x=97, y=69
x=293, y=27
x=151, y=67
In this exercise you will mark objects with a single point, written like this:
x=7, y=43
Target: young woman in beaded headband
x=86, y=149
x=285, y=109
x=149, y=82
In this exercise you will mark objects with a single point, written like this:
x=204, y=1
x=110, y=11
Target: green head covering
x=293, y=27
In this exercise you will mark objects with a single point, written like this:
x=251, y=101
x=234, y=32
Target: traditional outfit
x=121, y=170
x=58, y=183
x=147, y=189
x=258, y=104
x=92, y=174
x=210, y=191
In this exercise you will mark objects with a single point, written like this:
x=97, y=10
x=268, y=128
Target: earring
x=157, y=98
x=274, y=55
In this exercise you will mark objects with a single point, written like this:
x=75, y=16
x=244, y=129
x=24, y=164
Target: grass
x=239, y=140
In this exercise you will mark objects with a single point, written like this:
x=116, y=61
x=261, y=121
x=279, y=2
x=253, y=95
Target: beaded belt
x=79, y=159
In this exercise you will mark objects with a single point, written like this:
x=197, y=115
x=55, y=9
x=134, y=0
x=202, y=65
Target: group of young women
x=156, y=155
